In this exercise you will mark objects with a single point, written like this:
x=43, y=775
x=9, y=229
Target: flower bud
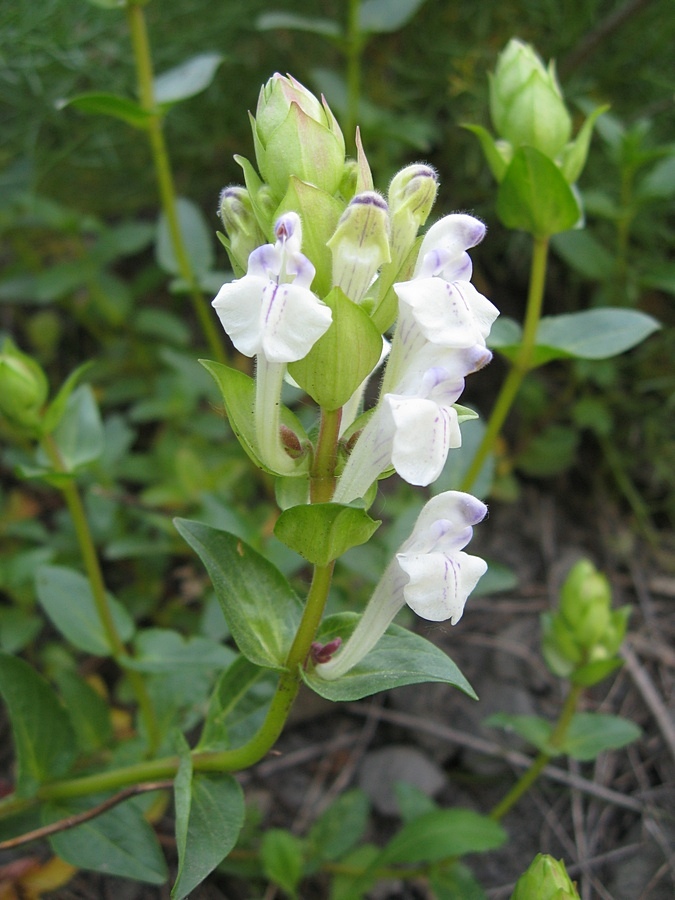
x=412, y=193
x=360, y=244
x=526, y=102
x=23, y=388
x=546, y=879
x=241, y=226
x=585, y=600
x=295, y=134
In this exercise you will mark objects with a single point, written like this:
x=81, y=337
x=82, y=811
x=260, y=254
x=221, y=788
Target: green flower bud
x=23, y=389
x=412, y=194
x=360, y=244
x=295, y=134
x=585, y=601
x=546, y=879
x=241, y=226
x=526, y=102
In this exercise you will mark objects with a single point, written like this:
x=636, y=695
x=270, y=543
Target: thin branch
x=86, y=816
x=600, y=33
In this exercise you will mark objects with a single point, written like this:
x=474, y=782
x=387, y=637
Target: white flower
x=413, y=427
x=430, y=573
x=440, y=575
x=271, y=311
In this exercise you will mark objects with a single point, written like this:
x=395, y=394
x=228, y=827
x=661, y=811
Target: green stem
x=162, y=165
x=540, y=762
x=322, y=481
x=95, y=576
x=521, y=365
x=354, y=45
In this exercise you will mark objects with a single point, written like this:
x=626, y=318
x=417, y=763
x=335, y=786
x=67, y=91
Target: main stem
x=521, y=365
x=540, y=762
x=165, y=183
x=95, y=576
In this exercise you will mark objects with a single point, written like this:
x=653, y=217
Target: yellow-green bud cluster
x=545, y=879
x=583, y=637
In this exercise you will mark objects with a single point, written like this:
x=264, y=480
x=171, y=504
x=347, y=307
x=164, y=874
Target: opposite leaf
x=535, y=197
x=209, y=816
x=321, y=532
x=261, y=609
x=400, y=657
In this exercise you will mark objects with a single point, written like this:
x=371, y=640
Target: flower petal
x=238, y=308
x=452, y=315
x=424, y=434
x=440, y=584
x=292, y=319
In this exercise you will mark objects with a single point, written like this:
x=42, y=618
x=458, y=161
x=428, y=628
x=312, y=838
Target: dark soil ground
x=612, y=821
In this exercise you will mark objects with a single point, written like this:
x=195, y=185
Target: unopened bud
x=360, y=244
x=241, y=226
x=412, y=194
x=526, y=102
x=296, y=134
x=546, y=879
x=23, y=388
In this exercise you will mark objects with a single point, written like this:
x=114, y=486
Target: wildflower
x=271, y=310
x=430, y=573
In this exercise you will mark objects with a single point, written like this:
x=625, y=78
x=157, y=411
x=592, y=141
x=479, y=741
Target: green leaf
x=575, y=153
x=584, y=253
x=88, y=711
x=189, y=78
x=238, y=705
x=57, y=407
x=329, y=374
x=495, y=156
x=101, y=103
x=66, y=597
x=455, y=882
x=196, y=235
x=590, y=334
x=281, y=854
x=118, y=842
x=164, y=650
x=550, y=452
x=79, y=433
x=400, y=657
x=596, y=333
x=209, y=817
x=44, y=739
x=325, y=27
x=591, y=733
x=533, y=729
x=261, y=609
x=383, y=16
x=238, y=392
x=534, y=196
x=594, y=672
x=340, y=827
x=443, y=833
x=321, y=532
x=411, y=801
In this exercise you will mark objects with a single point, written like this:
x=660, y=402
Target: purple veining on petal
x=264, y=262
